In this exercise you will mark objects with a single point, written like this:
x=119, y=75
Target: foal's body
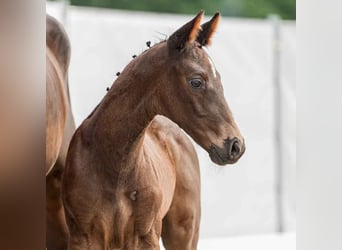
x=159, y=182
x=123, y=148
x=132, y=175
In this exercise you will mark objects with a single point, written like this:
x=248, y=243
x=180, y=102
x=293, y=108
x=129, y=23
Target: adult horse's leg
x=57, y=231
x=181, y=224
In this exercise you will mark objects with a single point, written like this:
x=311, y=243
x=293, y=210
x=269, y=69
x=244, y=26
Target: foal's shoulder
x=166, y=130
x=163, y=125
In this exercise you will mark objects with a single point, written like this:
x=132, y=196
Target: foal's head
x=193, y=92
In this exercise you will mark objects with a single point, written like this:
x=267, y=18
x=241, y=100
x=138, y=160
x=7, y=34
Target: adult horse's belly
x=55, y=110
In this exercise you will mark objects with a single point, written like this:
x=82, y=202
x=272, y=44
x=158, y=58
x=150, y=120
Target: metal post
x=276, y=21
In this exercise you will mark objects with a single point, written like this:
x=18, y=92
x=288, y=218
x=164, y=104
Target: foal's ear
x=208, y=29
x=186, y=34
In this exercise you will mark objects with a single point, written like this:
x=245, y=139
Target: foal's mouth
x=230, y=153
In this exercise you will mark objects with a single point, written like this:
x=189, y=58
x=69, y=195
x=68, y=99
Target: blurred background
x=252, y=203
x=236, y=8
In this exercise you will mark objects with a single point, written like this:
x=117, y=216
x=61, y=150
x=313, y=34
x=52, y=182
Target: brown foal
x=132, y=175
x=60, y=127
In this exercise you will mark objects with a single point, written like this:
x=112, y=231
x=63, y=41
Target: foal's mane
x=192, y=33
x=146, y=50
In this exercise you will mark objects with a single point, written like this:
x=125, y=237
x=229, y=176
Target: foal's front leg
x=88, y=234
x=82, y=242
x=181, y=224
x=90, y=228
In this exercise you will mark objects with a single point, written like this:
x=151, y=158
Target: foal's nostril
x=235, y=148
x=230, y=153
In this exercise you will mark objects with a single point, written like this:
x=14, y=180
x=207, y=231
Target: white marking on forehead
x=211, y=62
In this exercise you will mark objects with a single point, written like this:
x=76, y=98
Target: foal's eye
x=196, y=83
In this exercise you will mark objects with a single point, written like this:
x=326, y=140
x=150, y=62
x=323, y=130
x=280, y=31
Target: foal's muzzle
x=230, y=153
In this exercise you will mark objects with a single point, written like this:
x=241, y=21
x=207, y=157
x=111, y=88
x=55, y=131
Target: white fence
x=242, y=199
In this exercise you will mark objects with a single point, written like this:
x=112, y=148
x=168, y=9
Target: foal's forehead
x=212, y=65
x=201, y=54
x=196, y=53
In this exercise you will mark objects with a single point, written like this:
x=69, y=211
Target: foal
x=132, y=175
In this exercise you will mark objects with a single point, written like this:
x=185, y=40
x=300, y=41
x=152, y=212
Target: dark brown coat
x=132, y=175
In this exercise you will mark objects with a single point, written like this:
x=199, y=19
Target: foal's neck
x=127, y=109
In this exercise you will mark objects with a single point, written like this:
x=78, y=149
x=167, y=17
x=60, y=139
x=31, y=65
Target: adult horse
x=59, y=129
x=132, y=175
